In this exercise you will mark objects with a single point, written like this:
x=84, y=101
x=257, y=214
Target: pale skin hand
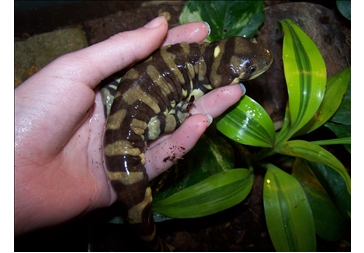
x=59, y=125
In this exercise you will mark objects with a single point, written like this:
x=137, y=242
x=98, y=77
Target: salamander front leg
x=168, y=121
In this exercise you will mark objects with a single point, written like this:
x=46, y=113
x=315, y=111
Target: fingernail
x=208, y=116
x=243, y=88
x=208, y=27
x=155, y=22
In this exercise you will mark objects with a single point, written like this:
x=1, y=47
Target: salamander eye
x=251, y=69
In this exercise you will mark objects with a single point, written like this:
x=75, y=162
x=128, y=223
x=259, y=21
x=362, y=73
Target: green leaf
x=343, y=114
x=226, y=18
x=335, y=90
x=248, y=123
x=341, y=131
x=344, y=8
x=315, y=153
x=305, y=74
x=329, y=224
x=212, y=195
x=288, y=214
x=335, y=186
x=345, y=140
x=283, y=132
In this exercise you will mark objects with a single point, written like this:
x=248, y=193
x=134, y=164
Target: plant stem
x=263, y=154
x=345, y=140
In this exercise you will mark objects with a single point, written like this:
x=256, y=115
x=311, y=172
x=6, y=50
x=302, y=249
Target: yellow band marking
x=201, y=69
x=132, y=74
x=171, y=123
x=169, y=60
x=138, y=126
x=159, y=80
x=136, y=94
x=142, y=157
x=149, y=238
x=191, y=75
x=121, y=147
x=217, y=51
x=197, y=93
x=126, y=178
x=114, y=121
x=154, y=128
x=215, y=78
x=135, y=213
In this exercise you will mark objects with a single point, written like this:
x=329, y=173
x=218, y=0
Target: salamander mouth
x=258, y=73
x=264, y=68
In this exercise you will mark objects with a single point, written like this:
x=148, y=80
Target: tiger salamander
x=153, y=98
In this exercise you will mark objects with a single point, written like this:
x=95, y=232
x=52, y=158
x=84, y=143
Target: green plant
x=315, y=196
x=344, y=6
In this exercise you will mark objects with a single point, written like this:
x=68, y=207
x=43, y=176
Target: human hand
x=59, y=125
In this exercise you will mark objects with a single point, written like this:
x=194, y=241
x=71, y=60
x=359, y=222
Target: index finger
x=191, y=32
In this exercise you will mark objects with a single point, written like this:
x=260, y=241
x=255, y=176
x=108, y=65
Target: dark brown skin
x=154, y=98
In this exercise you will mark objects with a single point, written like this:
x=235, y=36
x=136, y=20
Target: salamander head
x=239, y=59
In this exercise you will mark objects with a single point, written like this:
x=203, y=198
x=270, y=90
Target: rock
x=37, y=51
x=102, y=28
